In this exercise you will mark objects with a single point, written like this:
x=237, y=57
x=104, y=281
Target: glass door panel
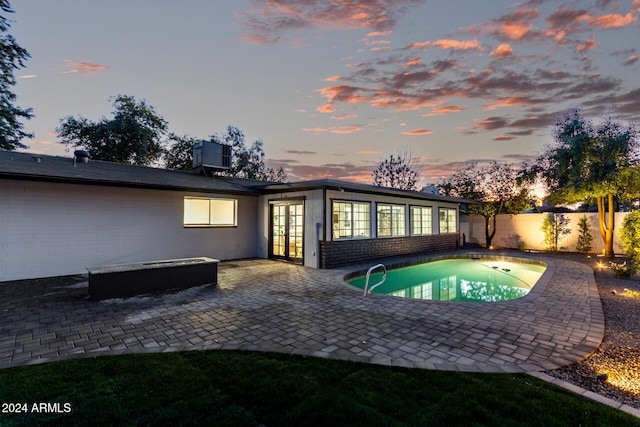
x=287, y=231
x=279, y=229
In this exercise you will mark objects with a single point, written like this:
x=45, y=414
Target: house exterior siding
x=50, y=229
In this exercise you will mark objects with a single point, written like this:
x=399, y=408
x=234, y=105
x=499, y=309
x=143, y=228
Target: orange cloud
x=612, y=20
x=458, y=44
x=516, y=30
x=326, y=108
x=379, y=49
x=344, y=116
x=502, y=51
x=333, y=79
x=419, y=45
x=507, y=102
x=375, y=42
x=83, y=67
x=587, y=45
x=444, y=110
x=335, y=130
x=379, y=33
x=28, y=76
x=368, y=152
x=504, y=138
x=417, y=132
x=413, y=61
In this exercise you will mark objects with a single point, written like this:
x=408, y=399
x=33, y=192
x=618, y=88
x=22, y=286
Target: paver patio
x=266, y=305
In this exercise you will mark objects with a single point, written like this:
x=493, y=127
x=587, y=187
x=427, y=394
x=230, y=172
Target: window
x=448, y=222
x=391, y=220
x=351, y=220
x=421, y=220
x=202, y=212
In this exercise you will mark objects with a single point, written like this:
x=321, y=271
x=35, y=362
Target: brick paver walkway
x=275, y=306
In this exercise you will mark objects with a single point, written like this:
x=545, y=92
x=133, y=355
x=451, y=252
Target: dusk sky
x=334, y=87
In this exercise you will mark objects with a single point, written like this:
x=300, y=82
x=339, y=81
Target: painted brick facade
x=343, y=252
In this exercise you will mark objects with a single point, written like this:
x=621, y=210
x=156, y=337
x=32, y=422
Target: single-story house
x=59, y=216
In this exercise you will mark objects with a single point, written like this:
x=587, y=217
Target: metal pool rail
x=366, y=283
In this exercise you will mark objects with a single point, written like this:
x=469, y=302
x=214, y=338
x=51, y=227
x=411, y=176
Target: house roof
x=37, y=167
x=332, y=184
x=29, y=166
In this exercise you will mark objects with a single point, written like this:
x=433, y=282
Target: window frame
x=352, y=220
x=392, y=227
x=210, y=223
x=412, y=216
x=448, y=222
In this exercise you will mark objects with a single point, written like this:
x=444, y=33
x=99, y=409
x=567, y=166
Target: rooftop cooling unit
x=211, y=157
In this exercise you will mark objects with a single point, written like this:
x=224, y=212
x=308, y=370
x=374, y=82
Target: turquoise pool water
x=472, y=279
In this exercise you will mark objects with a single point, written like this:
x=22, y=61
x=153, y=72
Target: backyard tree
x=179, y=155
x=500, y=188
x=398, y=171
x=12, y=57
x=555, y=227
x=248, y=162
x=590, y=162
x=135, y=135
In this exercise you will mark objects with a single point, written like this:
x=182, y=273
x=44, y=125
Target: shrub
x=623, y=270
x=584, y=235
x=630, y=235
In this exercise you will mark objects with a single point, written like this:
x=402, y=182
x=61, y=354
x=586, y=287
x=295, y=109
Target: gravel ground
x=613, y=370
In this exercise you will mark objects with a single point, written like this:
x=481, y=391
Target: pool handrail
x=366, y=283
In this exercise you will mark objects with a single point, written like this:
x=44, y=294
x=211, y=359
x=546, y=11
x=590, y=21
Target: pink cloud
x=572, y=20
x=83, y=67
x=270, y=19
x=519, y=25
x=632, y=59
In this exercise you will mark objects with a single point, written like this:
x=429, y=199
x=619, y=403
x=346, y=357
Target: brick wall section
x=338, y=253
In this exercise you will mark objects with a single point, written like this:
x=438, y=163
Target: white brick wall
x=49, y=229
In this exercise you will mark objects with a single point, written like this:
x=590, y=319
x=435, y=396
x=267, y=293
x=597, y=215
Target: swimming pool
x=478, y=279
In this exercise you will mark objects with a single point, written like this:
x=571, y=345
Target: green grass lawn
x=229, y=388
